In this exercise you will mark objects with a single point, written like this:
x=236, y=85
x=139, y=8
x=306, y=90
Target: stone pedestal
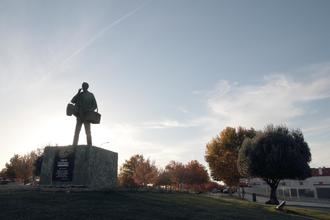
x=82, y=165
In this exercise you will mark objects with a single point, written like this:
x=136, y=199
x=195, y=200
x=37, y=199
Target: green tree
x=276, y=153
x=222, y=153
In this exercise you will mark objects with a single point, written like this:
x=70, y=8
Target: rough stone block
x=81, y=165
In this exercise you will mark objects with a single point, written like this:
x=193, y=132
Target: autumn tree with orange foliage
x=21, y=168
x=196, y=176
x=163, y=179
x=145, y=173
x=137, y=171
x=222, y=154
x=177, y=173
x=196, y=173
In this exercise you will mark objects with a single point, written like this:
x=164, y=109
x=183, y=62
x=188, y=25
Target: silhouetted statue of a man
x=84, y=103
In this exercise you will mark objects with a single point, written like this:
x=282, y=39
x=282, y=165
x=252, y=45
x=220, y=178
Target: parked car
x=226, y=190
x=4, y=182
x=216, y=191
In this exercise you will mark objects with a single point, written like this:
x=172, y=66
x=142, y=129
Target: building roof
x=322, y=171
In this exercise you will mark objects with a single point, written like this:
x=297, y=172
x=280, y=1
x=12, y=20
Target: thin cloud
x=278, y=100
x=100, y=33
x=168, y=124
x=324, y=126
x=183, y=110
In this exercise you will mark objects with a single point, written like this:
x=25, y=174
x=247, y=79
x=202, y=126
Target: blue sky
x=168, y=75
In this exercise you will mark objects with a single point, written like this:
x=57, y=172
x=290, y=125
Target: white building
x=315, y=187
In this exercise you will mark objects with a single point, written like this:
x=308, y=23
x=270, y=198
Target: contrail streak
x=101, y=33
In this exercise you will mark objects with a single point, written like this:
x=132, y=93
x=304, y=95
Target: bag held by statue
x=93, y=117
x=70, y=109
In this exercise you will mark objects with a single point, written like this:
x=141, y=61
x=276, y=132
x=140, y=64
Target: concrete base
x=81, y=165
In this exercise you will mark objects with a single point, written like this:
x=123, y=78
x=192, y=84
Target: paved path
x=262, y=200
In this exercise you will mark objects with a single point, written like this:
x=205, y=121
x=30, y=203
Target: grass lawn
x=134, y=205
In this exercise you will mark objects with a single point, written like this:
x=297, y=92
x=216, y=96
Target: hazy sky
x=168, y=75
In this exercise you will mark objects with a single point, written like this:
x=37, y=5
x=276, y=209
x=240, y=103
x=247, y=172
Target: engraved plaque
x=63, y=167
